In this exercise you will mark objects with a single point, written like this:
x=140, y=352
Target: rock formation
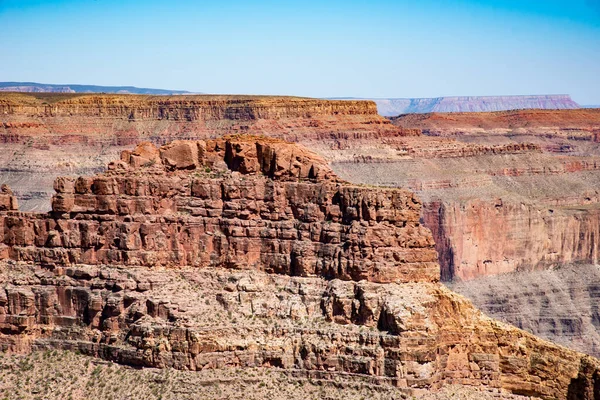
x=43, y=136
x=559, y=304
x=506, y=191
x=503, y=191
x=395, y=107
x=293, y=216
x=581, y=123
x=246, y=252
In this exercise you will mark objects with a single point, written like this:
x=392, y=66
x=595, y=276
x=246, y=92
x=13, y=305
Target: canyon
x=468, y=196
x=248, y=252
x=525, y=213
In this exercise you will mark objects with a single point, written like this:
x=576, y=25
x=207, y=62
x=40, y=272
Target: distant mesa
x=394, y=107
x=33, y=87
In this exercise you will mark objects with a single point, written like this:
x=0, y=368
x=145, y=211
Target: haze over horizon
x=374, y=49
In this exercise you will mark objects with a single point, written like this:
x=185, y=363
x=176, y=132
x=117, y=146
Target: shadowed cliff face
x=251, y=253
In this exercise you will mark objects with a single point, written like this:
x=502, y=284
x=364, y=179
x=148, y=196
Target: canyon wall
x=248, y=252
x=501, y=191
x=559, y=304
x=320, y=228
x=524, y=213
x=482, y=238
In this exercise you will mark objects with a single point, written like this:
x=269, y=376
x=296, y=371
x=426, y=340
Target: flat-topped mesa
x=240, y=202
x=180, y=107
x=129, y=119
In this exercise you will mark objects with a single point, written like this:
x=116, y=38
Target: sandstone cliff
x=278, y=264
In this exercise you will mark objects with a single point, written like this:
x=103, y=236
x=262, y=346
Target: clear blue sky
x=376, y=48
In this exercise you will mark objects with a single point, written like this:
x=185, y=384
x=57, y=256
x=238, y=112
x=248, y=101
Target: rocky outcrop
x=415, y=336
x=394, y=107
x=237, y=203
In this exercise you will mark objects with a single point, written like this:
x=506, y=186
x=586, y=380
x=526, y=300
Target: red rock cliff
x=187, y=204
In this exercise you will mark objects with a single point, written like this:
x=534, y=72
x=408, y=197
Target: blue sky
x=323, y=48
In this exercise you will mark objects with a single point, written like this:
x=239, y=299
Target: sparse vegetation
x=60, y=375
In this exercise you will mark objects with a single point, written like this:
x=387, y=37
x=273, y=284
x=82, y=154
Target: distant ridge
x=396, y=106
x=33, y=87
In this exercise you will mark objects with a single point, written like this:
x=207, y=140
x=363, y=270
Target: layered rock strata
x=481, y=238
x=525, y=213
x=560, y=304
x=292, y=218
x=47, y=135
x=581, y=124
x=418, y=337
x=218, y=252
x=506, y=191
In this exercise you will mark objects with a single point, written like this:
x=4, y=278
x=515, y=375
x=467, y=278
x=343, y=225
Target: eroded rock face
x=277, y=208
x=560, y=305
x=483, y=238
x=8, y=202
x=42, y=137
x=416, y=336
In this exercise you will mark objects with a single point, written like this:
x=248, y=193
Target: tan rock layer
x=417, y=336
